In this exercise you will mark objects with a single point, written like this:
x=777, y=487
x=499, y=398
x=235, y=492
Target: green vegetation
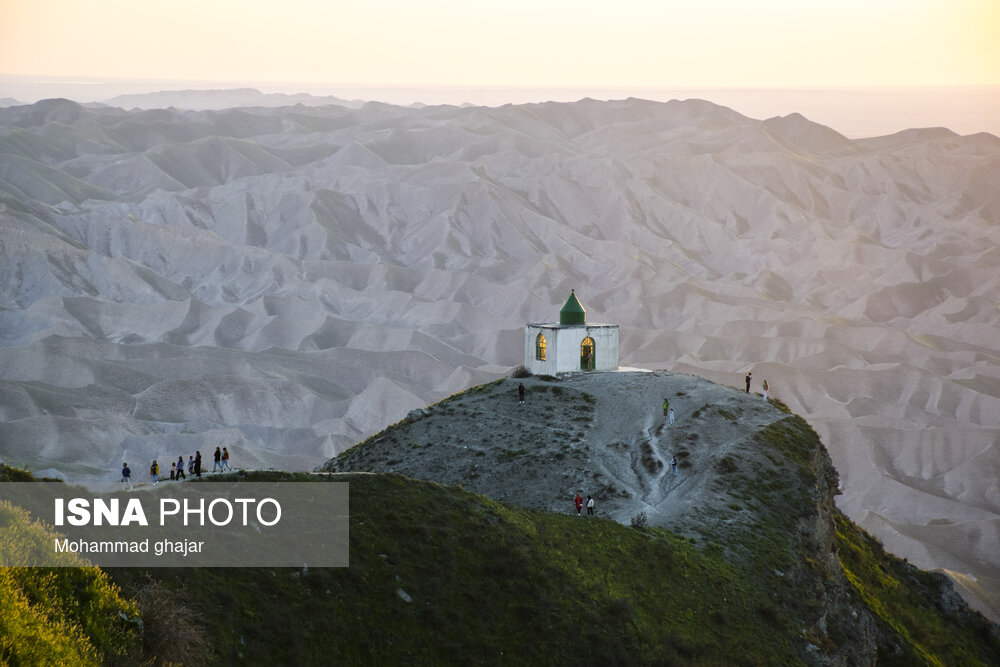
x=439, y=575
x=9, y=474
x=778, y=403
x=63, y=615
x=486, y=583
x=910, y=602
x=726, y=414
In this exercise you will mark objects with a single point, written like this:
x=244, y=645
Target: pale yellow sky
x=625, y=43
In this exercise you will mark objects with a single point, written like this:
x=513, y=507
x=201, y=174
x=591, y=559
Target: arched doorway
x=587, y=359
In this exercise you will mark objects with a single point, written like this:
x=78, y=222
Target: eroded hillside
x=599, y=434
x=285, y=281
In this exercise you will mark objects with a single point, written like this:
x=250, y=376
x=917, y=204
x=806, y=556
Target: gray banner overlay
x=210, y=524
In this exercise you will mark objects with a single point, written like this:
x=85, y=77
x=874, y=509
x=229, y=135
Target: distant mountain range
x=200, y=99
x=222, y=99
x=286, y=281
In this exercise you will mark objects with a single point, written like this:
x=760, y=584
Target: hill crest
x=598, y=434
x=754, y=483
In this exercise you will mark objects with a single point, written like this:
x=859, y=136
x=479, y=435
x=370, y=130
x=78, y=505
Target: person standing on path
x=749, y=373
x=190, y=464
x=670, y=415
x=673, y=465
x=225, y=459
x=590, y=506
x=217, y=465
x=127, y=475
x=154, y=472
x=197, y=463
x=765, y=390
x=666, y=406
x=520, y=393
x=578, y=501
x=180, y=468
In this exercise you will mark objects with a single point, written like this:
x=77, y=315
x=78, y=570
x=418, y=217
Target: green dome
x=573, y=312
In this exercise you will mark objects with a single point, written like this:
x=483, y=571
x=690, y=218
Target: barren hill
x=601, y=434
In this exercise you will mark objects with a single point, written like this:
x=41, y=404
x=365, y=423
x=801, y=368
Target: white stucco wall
x=563, y=347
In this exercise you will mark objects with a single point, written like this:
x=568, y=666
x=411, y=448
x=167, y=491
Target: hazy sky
x=624, y=43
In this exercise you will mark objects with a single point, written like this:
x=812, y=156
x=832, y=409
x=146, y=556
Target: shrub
x=520, y=372
x=726, y=466
x=58, y=615
x=173, y=633
x=778, y=403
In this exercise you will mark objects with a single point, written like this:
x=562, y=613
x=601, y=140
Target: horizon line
x=84, y=79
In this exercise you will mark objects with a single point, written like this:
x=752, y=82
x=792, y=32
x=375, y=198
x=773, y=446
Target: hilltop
x=599, y=434
x=754, y=484
x=757, y=567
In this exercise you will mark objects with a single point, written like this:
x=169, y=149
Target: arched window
x=587, y=354
x=540, y=347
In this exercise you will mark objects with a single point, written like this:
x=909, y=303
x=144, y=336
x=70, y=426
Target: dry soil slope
x=601, y=434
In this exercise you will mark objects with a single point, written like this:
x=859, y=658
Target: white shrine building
x=572, y=344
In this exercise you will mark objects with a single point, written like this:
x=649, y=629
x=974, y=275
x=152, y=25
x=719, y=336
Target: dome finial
x=573, y=312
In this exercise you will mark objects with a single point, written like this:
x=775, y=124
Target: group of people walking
x=578, y=502
x=177, y=470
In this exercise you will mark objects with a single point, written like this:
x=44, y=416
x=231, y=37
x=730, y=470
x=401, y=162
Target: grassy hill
x=59, y=616
x=772, y=574
x=442, y=576
x=439, y=575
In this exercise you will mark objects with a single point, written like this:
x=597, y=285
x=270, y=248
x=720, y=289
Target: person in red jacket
x=579, y=503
